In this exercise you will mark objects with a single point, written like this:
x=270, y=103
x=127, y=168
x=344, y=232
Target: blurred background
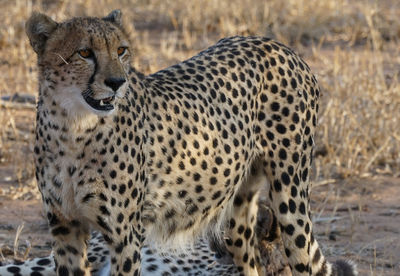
x=352, y=47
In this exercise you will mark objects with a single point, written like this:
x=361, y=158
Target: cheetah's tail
x=344, y=268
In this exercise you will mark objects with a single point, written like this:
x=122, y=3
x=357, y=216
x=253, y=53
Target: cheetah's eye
x=86, y=53
x=121, y=51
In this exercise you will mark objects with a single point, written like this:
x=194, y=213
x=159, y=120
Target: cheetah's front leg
x=125, y=252
x=120, y=225
x=70, y=246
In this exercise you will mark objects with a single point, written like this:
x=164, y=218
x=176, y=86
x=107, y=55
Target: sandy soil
x=360, y=219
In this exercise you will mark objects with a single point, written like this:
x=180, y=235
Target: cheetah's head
x=83, y=62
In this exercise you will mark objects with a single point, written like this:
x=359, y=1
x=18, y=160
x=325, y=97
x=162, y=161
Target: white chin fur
x=71, y=100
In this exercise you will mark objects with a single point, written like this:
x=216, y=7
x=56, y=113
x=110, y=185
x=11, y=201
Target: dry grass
x=352, y=46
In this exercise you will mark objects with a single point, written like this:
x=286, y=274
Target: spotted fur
x=197, y=260
x=171, y=156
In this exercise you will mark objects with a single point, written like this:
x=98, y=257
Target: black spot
x=113, y=174
x=281, y=128
x=238, y=201
x=152, y=268
x=270, y=135
x=13, y=269
x=99, y=136
x=307, y=228
x=44, y=262
x=245, y=257
x=227, y=172
x=317, y=256
x=63, y=271
x=300, y=241
x=295, y=157
x=289, y=229
x=127, y=265
x=122, y=189
x=305, y=174
x=192, y=209
x=247, y=233
x=285, y=178
x=274, y=88
x=275, y=106
x=239, y=242
x=300, y=268
x=293, y=83
x=120, y=217
x=264, y=98
x=292, y=205
x=213, y=180
x=252, y=263
x=293, y=191
x=61, y=230
x=182, y=193
x=302, y=208
x=196, y=177
x=170, y=213
x=282, y=154
x=216, y=195
x=283, y=208
x=277, y=186
x=77, y=272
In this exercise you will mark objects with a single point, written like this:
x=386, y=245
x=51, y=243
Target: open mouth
x=105, y=104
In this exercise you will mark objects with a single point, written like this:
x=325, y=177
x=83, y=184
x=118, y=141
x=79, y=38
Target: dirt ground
x=359, y=219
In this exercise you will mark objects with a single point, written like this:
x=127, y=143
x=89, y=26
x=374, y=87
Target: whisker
x=87, y=92
x=62, y=58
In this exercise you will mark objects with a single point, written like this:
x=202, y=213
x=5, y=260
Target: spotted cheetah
x=175, y=155
x=197, y=260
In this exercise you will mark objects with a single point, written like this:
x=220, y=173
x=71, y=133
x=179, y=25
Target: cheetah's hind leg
x=240, y=235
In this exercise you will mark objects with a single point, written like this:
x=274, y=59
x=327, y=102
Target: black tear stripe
x=96, y=66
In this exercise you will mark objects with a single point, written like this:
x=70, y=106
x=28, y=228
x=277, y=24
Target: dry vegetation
x=353, y=46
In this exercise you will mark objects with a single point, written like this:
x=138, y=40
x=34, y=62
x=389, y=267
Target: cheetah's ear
x=39, y=28
x=114, y=17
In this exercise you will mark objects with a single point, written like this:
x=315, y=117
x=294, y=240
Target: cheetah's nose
x=114, y=83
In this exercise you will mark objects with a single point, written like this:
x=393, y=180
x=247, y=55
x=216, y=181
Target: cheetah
x=197, y=260
x=175, y=155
